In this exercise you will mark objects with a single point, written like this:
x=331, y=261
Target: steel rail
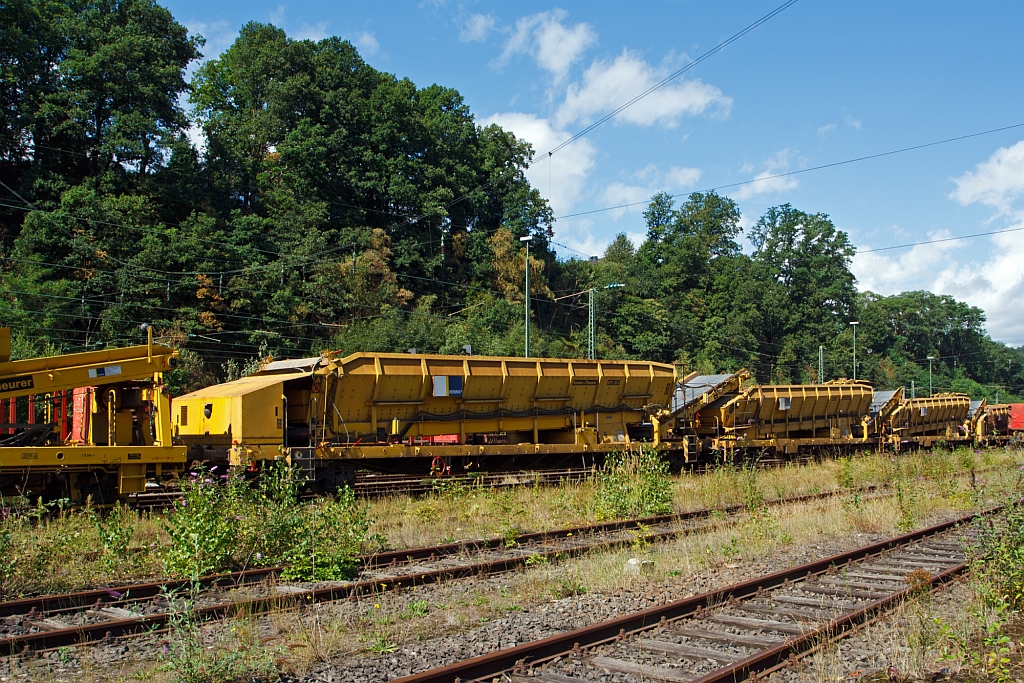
x=106, y=598
x=375, y=486
x=527, y=654
x=765, y=661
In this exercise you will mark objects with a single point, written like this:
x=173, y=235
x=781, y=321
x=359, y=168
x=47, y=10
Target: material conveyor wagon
x=416, y=412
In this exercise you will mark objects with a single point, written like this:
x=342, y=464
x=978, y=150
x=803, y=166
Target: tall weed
x=203, y=535
x=115, y=532
x=997, y=557
x=330, y=535
x=633, y=484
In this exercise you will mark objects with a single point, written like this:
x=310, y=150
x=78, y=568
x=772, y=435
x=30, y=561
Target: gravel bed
x=903, y=645
x=539, y=621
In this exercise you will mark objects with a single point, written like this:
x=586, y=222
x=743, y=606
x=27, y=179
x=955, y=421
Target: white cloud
x=996, y=284
x=567, y=170
x=367, y=43
x=580, y=238
x=277, y=16
x=197, y=137
x=637, y=238
x=609, y=84
x=832, y=127
x=894, y=272
x=619, y=193
x=219, y=35
x=764, y=183
x=996, y=182
x=316, y=31
x=476, y=28
x=675, y=179
x=553, y=45
x=681, y=178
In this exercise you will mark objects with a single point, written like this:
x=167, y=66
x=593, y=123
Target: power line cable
x=803, y=170
x=942, y=239
x=671, y=77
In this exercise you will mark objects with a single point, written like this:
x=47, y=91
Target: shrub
x=267, y=514
x=997, y=557
x=202, y=535
x=633, y=484
x=327, y=540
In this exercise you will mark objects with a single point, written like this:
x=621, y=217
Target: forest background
x=338, y=207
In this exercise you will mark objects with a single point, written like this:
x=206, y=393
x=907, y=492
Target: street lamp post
x=855, y=323
x=527, y=241
x=930, y=359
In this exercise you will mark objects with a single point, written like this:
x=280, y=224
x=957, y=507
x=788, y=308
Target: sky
x=819, y=83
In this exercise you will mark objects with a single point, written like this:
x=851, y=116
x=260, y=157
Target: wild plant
x=8, y=560
x=905, y=496
x=510, y=511
x=416, y=608
x=115, y=531
x=267, y=513
x=997, y=558
x=845, y=475
x=193, y=657
x=202, y=535
x=567, y=586
x=329, y=536
x=633, y=484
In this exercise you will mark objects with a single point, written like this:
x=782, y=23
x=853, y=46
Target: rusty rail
x=528, y=654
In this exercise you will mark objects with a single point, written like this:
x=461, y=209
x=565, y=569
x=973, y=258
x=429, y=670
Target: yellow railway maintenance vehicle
x=927, y=421
x=396, y=412
x=94, y=424
x=995, y=429
x=774, y=420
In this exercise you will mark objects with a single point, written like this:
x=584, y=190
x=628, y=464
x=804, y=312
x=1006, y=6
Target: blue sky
x=819, y=83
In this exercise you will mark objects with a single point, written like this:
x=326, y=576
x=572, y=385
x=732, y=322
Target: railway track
x=372, y=485
x=737, y=633
x=47, y=622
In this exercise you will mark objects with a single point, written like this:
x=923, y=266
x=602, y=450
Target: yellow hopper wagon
x=86, y=425
x=878, y=424
x=977, y=421
x=416, y=413
x=925, y=421
x=785, y=420
x=996, y=424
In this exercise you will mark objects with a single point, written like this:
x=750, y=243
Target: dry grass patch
x=44, y=550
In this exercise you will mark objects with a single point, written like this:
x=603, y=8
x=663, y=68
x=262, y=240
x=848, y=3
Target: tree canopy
x=334, y=206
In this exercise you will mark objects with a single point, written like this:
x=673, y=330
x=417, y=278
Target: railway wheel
x=439, y=468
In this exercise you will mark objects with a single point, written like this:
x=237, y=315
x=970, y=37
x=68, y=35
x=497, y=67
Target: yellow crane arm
x=88, y=369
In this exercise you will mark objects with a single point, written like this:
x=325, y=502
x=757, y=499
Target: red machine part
x=81, y=400
x=1016, y=417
